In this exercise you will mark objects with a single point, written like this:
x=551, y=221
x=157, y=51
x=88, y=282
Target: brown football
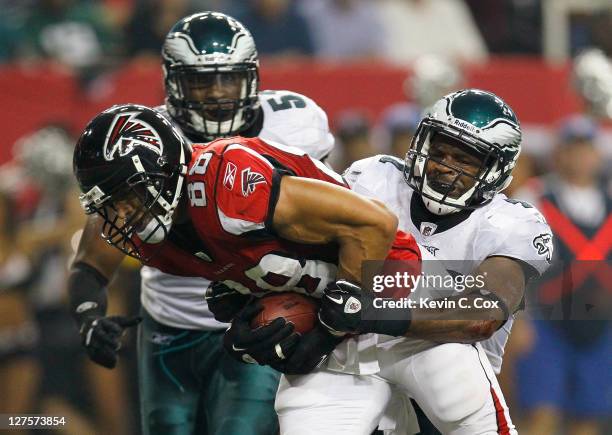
x=301, y=310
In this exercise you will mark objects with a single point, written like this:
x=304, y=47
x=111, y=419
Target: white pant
x=453, y=383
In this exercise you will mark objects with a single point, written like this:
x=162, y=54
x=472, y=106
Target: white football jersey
x=290, y=119
x=503, y=227
x=296, y=120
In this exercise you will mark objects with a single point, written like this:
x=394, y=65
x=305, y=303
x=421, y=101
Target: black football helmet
x=200, y=52
x=131, y=153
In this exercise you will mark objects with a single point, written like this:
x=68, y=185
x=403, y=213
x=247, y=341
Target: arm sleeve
x=304, y=126
x=353, y=174
x=247, y=191
x=527, y=236
x=86, y=291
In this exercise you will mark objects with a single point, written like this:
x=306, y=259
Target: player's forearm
x=365, y=243
x=475, y=315
x=460, y=319
x=86, y=291
x=94, y=265
x=310, y=211
x=453, y=331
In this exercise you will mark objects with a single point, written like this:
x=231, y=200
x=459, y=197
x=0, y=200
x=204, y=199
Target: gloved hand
x=341, y=308
x=225, y=302
x=264, y=345
x=345, y=308
x=101, y=337
x=311, y=350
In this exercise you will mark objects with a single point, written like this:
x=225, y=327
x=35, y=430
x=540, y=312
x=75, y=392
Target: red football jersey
x=232, y=186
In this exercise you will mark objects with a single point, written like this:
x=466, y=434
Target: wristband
x=384, y=320
x=501, y=304
x=87, y=291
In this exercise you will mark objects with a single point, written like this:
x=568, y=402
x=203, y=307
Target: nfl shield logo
x=352, y=306
x=427, y=228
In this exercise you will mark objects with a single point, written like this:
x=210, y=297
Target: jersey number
x=197, y=190
x=286, y=102
x=278, y=273
x=516, y=201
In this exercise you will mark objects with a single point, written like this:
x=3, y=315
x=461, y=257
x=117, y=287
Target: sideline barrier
x=540, y=93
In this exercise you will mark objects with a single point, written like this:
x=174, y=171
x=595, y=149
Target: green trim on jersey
x=189, y=385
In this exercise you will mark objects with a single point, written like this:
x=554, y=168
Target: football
x=301, y=310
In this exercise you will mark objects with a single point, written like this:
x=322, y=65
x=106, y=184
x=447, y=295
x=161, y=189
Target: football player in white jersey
x=447, y=194
x=211, y=80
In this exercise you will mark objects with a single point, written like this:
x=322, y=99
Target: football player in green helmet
x=447, y=194
x=484, y=133
x=211, y=75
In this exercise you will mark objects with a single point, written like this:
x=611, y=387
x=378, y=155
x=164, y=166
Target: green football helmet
x=204, y=52
x=485, y=126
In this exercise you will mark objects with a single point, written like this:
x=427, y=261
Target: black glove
x=345, y=308
x=225, y=302
x=101, y=337
x=264, y=345
x=311, y=350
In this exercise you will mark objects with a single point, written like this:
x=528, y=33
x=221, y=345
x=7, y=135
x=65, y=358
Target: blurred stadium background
x=371, y=65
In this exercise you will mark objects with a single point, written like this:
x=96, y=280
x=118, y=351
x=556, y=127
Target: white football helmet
x=487, y=127
x=206, y=49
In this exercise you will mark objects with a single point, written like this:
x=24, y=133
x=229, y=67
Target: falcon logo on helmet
x=126, y=132
x=130, y=154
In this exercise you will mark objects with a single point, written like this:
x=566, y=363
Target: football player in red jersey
x=213, y=94
x=238, y=211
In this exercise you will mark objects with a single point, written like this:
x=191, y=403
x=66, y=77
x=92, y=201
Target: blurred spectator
x=600, y=30
x=16, y=9
x=443, y=27
x=73, y=33
x=432, y=77
x=118, y=11
x=566, y=375
x=149, y=24
x=509, y=26
x=19, y=369
x=592, y=71
x=10, y=34
x=276, y=26
x=354, y=141
x=44, y=234
x=212, y=5
x=344, y=29
x=592, y=79
x=590, y=28
x=398, y=125
x=525, y=170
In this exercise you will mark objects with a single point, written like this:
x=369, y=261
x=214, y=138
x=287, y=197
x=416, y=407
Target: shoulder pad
x=513, y=210
x=398, y=163
x=296, y=120
x=356, y=169
x=518, y=230
x=376, y=176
